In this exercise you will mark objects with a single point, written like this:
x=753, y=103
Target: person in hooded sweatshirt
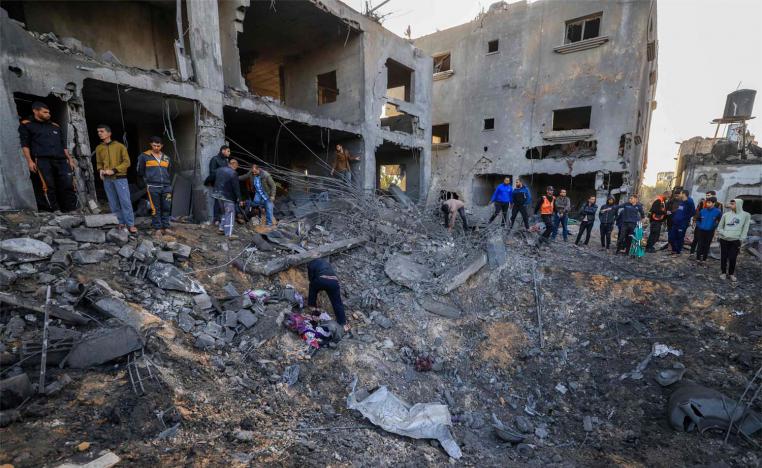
x=607, y=216
x=218, y=161
x=521, y=200
x=732, y=230
x=632, y=213
x=587, y=219
x=681, y=219
x=502, y=199
x=706, y=222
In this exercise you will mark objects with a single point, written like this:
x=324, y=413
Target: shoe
x=733, y=278
x=723, y=276
x=120, y=226
x=650, y=250
x=132, y=229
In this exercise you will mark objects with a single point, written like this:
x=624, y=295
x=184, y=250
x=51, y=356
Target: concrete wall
x=138, y=33
x=728, y=180
x=521, y=85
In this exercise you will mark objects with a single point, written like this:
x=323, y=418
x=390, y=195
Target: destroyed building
x=553, y=93
x=730, y=164
x=284, y=81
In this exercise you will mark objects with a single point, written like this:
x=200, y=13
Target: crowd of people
x=677, y=212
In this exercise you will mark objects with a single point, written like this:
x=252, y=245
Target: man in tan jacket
x=112, y=163
x=342, y=164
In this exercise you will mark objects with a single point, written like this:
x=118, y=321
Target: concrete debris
x=106, y=459
x=667, y=377
x=118, y=236
x=246, y=318
x=695, y=407
x=203, y=301
x=58, y=385
x=145, y=250
x=84, y=234
x=291, y=375
x=186, y=322
x=404, y=271
x=164, y=256
x=7, y=277
x=126, y=251
x=440, y=308
x=100, y=220
x=505, y=433
x=420, y=421
x=587, y=424
x=55, y=311
x=68, y=221
x=458, y=276
x=89, y=257
x=496, y=252
x=167, y=276
x=24, y=249
x=400, y=196
x=116, y=308
x=204, y=341
x=104, y=345
x=14, y=390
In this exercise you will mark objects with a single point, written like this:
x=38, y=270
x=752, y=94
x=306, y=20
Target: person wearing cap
x=50, y=164
x=545, y=208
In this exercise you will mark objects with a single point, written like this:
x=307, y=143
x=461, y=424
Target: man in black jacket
x=607, y=216
x=632, y=213
x=656, y=217
x=323, y=278
x=227, y=192
x=587, y=219
x=218, y=161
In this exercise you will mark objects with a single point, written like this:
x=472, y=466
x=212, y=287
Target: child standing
x=706, y=223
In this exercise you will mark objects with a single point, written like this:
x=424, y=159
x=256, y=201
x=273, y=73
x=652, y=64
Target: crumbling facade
x=282, y=82
x=554, y=93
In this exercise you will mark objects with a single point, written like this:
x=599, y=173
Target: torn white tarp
x=420, y=421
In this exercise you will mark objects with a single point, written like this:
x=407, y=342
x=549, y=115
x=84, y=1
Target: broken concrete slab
x=496, y=251
x=168, y=276
x=106, y=459
x=246, y=318
x=118, y=236
x=186, y=322
x=458, y=276
x=282, y=263
x=126, y=251
x=231, y=318
x=100, y=220
x=7, y=277
x=165, y=256
x=400, y=196
x=83, y=234
x=54, y=310
x=404, y=271
x=61, y=257
x=182, y=251
x=14, y=390
x=145, y=250
x=89, y=257
x=203, y=301
x=204, y=341
x=104, y=345
x=120, y=310
x=440, y=308
x=213, y=329
x=68, y=221
x=24, y=249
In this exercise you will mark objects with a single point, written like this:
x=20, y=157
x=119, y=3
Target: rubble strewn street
x=187, y=361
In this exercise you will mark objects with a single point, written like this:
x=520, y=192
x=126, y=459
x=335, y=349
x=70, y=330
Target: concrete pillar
x=211, y=135
x=15, y=185
x=231, y=16
x=78, y=143
x=204, y=32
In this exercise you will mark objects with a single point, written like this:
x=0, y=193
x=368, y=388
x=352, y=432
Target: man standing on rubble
x=227, y=192
x=50, y=164
x=502, y=199
x=587, y=219
x=452, y=207
x=218, y=161
x=696, y=217
x=545, y=208
x=112, y=162
x=153, y=167
x=562, y=208
x=342, y=164
x=607, y=216
x=521, y=200
x=681, y=219
x=632, y=213
x=323, y=278
x=263, y=189
x=656, y=216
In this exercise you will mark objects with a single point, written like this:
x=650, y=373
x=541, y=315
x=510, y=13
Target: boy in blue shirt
x=708, y=219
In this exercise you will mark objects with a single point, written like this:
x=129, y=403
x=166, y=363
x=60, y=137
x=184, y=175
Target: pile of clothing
x=316, y=331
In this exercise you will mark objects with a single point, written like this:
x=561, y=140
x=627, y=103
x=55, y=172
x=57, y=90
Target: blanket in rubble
x=315, y=331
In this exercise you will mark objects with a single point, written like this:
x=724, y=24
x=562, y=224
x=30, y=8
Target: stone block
x=118, y=236
x=100, y=220
x=89, y=257
x=95, y=236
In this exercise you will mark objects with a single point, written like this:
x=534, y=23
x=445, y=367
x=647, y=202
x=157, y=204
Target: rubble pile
x=175, y=350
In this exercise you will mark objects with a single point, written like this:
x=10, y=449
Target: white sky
x=706, y=47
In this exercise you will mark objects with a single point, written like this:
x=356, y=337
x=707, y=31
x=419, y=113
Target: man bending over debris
x=323, y=278
x=450, y=208
x=227, y=190
x=153, y=167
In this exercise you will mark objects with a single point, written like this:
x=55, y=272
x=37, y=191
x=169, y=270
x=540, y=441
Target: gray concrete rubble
x=101, y=220
x=167, y=276
x=14, y=390
x=104, y=345
x=404, y=271
x=83, y=234
x=24, y=249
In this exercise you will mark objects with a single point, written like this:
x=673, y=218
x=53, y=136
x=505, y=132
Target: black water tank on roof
x=739, y=103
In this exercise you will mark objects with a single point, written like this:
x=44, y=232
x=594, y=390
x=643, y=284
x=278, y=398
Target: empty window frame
x=583, y=28
x=392, y=174
x=489, y=124
x=442, y=63
x=493, y=46
x=440, y=134
x=574, y=118
x=399, y=81
x=327, y=89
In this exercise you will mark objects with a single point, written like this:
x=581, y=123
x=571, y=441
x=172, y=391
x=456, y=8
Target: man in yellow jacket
x=112, y=163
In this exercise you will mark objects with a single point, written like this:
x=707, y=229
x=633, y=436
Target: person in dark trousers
x=262, y=190
x=702, y=203
x=632, y=213
x=673, y=202
x=732, y=230
x=153, y=167
x=51, y=167
x=656, y=217
x=323, y=278
x=562, y=208
x=545, y=208
x=681, y=218
x=227, y=191
x=218, y=161
x=607, y=216
x=502, y=198
x=520, y=199
x=450, y=208
x=587, y=219
x=708, y=219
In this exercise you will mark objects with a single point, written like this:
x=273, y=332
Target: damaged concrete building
x=731, y=164
x=553, y=93
x=283, y=80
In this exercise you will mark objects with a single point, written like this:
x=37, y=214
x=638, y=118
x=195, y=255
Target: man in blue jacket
x=632, y=212
x=502, y=200
x=521, y=199
x=681, y=219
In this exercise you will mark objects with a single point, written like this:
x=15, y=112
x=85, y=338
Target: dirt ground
x=600, y=315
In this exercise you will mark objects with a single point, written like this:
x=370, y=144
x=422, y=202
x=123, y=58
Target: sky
x=706, y=48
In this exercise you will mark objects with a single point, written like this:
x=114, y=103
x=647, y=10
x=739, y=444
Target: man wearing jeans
x=342, y=166
x=561, y=207
x=263, y=188
x=112, y=162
